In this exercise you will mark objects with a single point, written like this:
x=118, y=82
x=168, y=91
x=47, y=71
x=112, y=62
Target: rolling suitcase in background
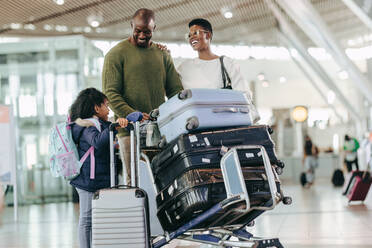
x=120, y=214
x=349, y=180
x=200, y=109
x=359, y=187
x=202, y=150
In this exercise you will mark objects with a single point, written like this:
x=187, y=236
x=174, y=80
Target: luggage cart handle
x=231, y=169
x=268, y=169
x=112, y=127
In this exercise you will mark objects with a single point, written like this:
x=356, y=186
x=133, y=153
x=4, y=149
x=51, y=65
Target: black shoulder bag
x=225, y=76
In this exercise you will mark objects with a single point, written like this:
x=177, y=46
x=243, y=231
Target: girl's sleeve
x=96, y=138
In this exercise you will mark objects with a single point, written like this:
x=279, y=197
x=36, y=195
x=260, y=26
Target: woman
x=310, y=160
x=206, y=70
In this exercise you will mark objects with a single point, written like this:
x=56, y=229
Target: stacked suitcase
x=196, y=130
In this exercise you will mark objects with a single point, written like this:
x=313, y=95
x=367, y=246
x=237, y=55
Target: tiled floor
x=319, y=217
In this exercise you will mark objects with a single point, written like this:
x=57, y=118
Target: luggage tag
x=224, y=150
x=193, y=138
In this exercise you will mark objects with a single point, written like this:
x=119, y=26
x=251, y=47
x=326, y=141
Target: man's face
x=198, y=38
x=142, y=31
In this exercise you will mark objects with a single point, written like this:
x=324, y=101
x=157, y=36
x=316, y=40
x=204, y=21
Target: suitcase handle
x=228, y=142
x=226, y=109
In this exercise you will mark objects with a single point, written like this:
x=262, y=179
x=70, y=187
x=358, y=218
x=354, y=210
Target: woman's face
x=199, y=38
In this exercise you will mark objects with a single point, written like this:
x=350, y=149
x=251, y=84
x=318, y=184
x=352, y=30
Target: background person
x=310, y=160
x=351, y=146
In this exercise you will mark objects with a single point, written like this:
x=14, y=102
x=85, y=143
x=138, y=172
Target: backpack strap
x=92, y=161
x=90, y=151
x=225, y=75
x=60, y=136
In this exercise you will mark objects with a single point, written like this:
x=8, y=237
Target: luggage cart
x=227, y=235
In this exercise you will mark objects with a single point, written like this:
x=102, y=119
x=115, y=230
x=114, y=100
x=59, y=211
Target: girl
x=91, y=103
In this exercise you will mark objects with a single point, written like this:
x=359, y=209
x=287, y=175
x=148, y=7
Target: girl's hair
x=83, y=106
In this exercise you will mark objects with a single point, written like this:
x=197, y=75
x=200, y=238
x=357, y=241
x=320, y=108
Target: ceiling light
x=59, y=2
x=265, y=84
x=282, y=80
x=15, y=25
x=61, y=28
x=300, y=113
x=87, y=29
x=351, y=42
x=331, y=97
x=94, y=20
x=261, y=76
x=226, y=12
x=29, y=27
x=77, y=29
x=343, y=75
x=101, y=30
x=48, y=27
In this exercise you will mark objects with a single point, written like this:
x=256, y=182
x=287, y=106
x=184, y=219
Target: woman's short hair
x=83, y=106
x=202, y=23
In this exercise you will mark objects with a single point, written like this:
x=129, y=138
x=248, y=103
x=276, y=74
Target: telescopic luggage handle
x=131, y=127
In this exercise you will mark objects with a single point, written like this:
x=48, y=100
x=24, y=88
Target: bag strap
x=60, y=136
x=92, y=161
x=225, y=75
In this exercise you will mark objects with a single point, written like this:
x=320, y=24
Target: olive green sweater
x=138, y=79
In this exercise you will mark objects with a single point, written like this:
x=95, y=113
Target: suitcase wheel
x=252, y=223
x=154, y=114
x=184, y=94
x=192, y=123
x=280, y=164
x=287, y=200
x=279, y=170
x=270, y=130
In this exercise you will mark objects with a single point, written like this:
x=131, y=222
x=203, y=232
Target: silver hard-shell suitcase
x=120, y=214
x=204, y=109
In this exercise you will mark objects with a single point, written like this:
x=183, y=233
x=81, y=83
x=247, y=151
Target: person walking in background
x=351, y=147
x=310, y=160
x=137, y=76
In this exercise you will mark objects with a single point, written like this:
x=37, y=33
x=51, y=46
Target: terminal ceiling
x=252, y=22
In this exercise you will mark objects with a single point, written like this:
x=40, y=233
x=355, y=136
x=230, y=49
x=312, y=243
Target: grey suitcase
x=120, y=214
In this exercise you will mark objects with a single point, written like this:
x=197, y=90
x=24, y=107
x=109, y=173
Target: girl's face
x=102, y=111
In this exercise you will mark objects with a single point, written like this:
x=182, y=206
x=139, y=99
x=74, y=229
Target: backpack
x=63, y=154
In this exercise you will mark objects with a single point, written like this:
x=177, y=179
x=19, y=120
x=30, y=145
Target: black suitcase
x=198, y=190
x=338, y=178
x=303, y=179
x=202, y=150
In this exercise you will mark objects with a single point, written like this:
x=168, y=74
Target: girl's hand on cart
x=122, y=123
x=146, y=116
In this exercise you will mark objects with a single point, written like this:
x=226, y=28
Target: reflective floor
x=319, y=217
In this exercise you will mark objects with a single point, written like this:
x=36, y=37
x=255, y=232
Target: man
x=351, y=146
x=137, y=76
